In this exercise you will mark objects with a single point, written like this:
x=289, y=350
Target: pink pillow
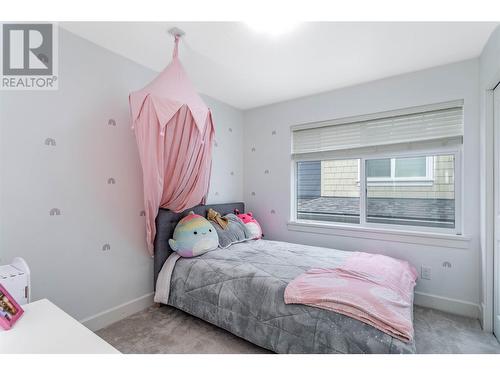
x=251, y=224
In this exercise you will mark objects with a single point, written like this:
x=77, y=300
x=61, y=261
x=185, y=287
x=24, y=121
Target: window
x=410, y=167
x=379, y=168
x=431, y=205
x=412, y=182
x=328, y=190
x=403, y=171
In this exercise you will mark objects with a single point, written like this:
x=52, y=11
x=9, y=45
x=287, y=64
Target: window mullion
x=429, y=170
x=362, y=192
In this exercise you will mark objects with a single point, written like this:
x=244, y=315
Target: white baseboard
x=450, y=305
x=110, y=316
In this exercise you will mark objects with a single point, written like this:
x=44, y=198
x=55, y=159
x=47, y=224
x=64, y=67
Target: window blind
x=441, y=124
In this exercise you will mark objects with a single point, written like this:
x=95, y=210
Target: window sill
x=413, y=237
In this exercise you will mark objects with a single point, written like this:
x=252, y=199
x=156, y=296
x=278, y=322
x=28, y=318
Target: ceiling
x=231, y=62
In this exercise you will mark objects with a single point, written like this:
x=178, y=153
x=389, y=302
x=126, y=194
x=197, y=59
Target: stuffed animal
x=252, y=225
x=193, y=236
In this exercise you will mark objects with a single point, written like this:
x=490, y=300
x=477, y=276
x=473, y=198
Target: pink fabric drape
x=174, y=132
x=375, y=289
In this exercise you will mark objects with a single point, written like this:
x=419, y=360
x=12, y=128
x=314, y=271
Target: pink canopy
x=174, y=132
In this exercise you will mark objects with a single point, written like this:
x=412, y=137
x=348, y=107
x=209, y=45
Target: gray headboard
x=166, y=222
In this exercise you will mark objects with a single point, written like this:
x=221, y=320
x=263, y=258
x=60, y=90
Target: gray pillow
x=235, y=231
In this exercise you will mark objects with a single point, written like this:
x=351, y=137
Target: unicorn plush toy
x=193, y=236
x=252, y=225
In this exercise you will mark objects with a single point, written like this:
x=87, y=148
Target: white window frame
x=455, y=150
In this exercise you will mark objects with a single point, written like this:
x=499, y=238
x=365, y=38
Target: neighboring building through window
x=389, y=201
x=415, y=169
x=416, y=186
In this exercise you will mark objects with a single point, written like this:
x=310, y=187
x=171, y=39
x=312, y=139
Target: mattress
x=241, y=288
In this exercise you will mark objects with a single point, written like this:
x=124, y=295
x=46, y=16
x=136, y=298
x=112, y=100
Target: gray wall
x=65, y=251
x=267, y=130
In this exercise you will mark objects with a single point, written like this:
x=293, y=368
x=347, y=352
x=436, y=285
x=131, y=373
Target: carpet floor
x=169, y=330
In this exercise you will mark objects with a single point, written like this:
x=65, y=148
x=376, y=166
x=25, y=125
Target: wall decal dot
x=273, y=212
x=274, y=132
x=253, y=193
x=50, y=142
x=142, y=213
x=253, y=149
x=230, y=130
x=232, y=173
x=266, y=171
x=111, y=122
x=111, y=181
x=55, y=212
x=106, y=247
x=216, y=144
x=216, y=193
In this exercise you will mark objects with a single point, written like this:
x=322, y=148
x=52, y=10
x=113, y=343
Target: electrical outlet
x=425, y=272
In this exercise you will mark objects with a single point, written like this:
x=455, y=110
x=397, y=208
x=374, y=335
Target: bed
x=240, y=289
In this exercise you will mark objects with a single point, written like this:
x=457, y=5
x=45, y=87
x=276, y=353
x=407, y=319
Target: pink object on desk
x=10, y=311
x=375, y=289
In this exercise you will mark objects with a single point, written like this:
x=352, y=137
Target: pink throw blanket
x=375, y=289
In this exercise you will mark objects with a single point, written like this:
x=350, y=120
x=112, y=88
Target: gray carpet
x=168, y=330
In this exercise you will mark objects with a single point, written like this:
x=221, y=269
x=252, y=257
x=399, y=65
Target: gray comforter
x=241, y=290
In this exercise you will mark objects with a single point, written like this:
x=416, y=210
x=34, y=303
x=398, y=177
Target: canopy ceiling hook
x=177, y=34
x=176, y=47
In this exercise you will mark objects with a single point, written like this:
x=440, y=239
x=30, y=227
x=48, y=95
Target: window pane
x=309, y=179
x=416, y=203
x=328, y=190
x=378, y=168
x=411, y=167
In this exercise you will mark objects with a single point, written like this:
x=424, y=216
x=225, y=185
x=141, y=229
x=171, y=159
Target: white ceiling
x=231, y=62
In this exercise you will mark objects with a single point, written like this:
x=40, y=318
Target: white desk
x=44, y=328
